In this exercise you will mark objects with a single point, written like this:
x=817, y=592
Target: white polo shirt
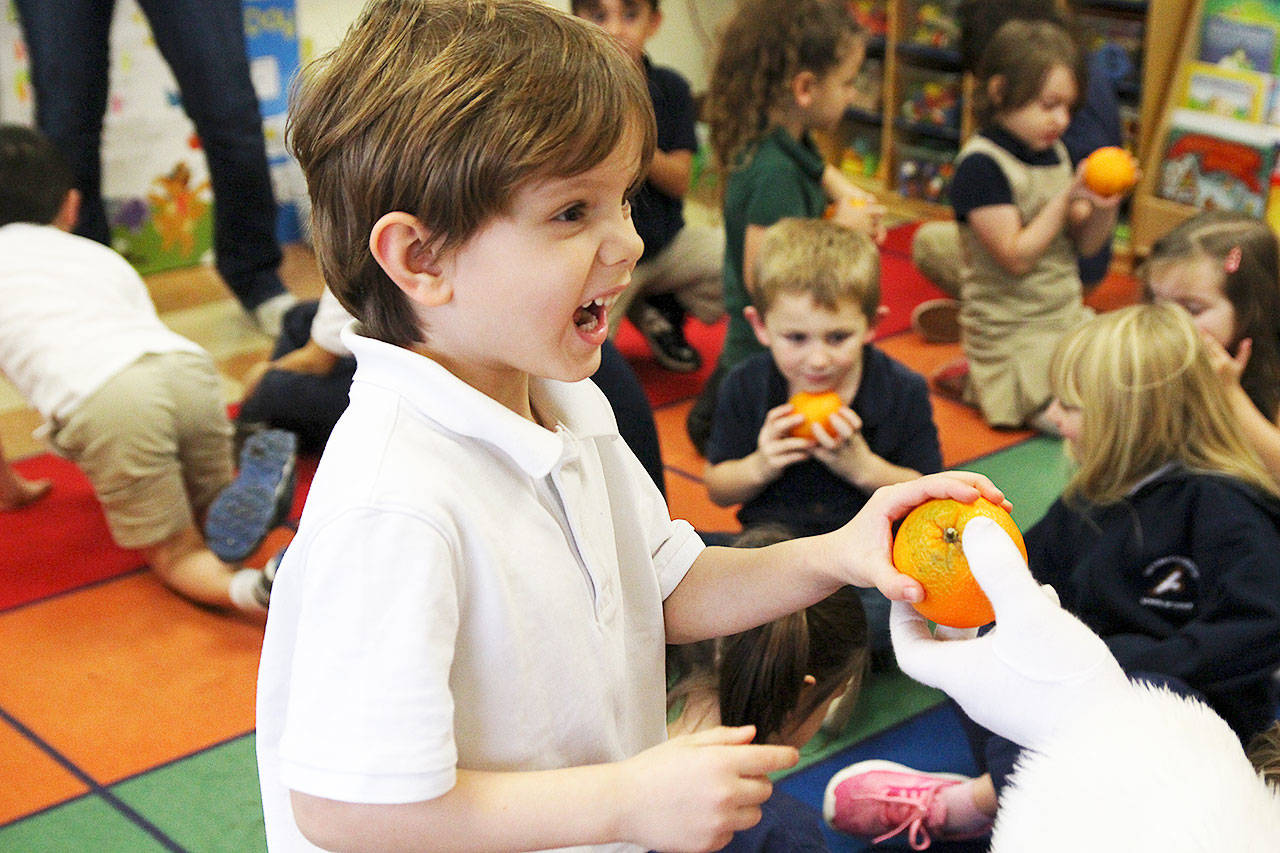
x=467, y=589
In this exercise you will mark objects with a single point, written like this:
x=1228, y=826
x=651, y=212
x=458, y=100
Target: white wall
x=685, y=42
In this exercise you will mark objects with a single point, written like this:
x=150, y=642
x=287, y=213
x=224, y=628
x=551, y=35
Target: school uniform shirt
x=897, y=422
x=658, y=217
x=781, y=177
x=1011, y=323
x=466, y=590
x=73, y=314
x=1180, y=578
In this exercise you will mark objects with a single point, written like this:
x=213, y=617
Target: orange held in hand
x=927, y=548
x=1110, y=171
x=817, y=408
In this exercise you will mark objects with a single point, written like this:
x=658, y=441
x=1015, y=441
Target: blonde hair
x=828, y=262
x=444, y=109
x=764, y=45
x=1149, y=396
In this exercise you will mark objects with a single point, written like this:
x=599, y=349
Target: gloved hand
x=1031, y=674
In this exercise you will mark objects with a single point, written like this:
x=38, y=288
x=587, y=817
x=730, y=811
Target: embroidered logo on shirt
x=1174, y=584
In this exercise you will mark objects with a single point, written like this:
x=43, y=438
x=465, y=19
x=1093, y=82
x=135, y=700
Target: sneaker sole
x=257, y=500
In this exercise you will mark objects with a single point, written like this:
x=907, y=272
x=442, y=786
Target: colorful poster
x=155, y=181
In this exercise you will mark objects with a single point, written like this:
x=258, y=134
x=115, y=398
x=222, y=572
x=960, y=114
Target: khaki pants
x=935, y=250
x=155, y=443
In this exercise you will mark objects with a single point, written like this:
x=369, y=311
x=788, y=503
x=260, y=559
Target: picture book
x=1243, y=95
x=1211, y=162
x=1240, y=34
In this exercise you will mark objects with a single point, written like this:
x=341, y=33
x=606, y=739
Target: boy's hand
x=862, y=547
x=843, y=449
x=695, y=791
x=860, y=213
x=776, y=447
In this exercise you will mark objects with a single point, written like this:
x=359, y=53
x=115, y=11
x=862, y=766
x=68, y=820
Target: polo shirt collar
x=578, y=409
x=1020, y=149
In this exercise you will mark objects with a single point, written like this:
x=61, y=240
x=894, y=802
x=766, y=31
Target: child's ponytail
x=762, y=671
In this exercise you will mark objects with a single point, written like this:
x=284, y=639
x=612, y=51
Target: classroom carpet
x=126, y=713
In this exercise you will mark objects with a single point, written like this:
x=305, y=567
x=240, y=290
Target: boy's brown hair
x=580, y=6
x=444, y=109
x=34, y=177
x=826, y=261
x=1264, y=754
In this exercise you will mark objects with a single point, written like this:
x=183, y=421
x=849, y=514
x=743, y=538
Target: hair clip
x=1232, y=263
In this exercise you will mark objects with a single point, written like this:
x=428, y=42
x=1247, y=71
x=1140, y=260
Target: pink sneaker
x=876, y=800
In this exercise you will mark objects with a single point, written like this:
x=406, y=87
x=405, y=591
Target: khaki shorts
x=155, y=443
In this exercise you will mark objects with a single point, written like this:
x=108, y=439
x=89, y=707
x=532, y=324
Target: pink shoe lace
x=879, y=799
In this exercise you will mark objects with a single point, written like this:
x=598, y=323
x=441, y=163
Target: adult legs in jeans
x=203, y=43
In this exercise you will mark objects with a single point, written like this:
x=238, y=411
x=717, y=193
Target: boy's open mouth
x=590, y=315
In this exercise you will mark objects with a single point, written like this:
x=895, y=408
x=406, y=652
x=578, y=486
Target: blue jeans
x=203, y=43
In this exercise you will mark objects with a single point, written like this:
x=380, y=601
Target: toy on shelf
x=932, y=101
x=871, y=15
x=924, y=173
x=935, y=25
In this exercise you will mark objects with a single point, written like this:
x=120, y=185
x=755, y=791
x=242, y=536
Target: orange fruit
x=927, y=548
x=1110, y=171
x=817, y=408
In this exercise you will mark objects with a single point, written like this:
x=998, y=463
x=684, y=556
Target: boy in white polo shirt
x=137, y=407
x=466, y=643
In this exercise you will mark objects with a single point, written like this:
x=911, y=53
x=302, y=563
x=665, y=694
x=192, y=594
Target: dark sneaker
x=937, y=321
x=666, y=341
x=257, y=500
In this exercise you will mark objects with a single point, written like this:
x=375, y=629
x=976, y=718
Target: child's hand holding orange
x=860, y=213
x=862, y=547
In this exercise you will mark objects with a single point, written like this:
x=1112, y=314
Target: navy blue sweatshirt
x=1181, y=578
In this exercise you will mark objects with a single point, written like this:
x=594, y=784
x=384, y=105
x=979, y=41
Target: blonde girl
x=784, y=69
x=1025, y=218
x=783, y=677
x=1224, y=269
x=1166, y=543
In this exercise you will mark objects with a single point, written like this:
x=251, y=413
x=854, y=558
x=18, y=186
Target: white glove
x=1031, y=674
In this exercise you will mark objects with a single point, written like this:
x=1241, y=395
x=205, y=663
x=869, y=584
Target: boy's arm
x=845, y=451
x=688, y=794
x=672, y=172
x=733, y=481
x=728, y=590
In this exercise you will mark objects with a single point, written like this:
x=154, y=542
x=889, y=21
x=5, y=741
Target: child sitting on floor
x=815, y=304
x=466, y=642
x=1025, y=218
x=137, y=407
x=679, y=272
x=1166, y=543
x=782, y=677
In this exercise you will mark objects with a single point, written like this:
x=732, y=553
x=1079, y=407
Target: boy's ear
x=757, y=324
x=803, y=86
x=995, y=90
x=874, y=323
x=406, y=251
x=69, y=211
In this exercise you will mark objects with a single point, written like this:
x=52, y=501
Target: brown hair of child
x=445, y=109
x=1016, y=63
